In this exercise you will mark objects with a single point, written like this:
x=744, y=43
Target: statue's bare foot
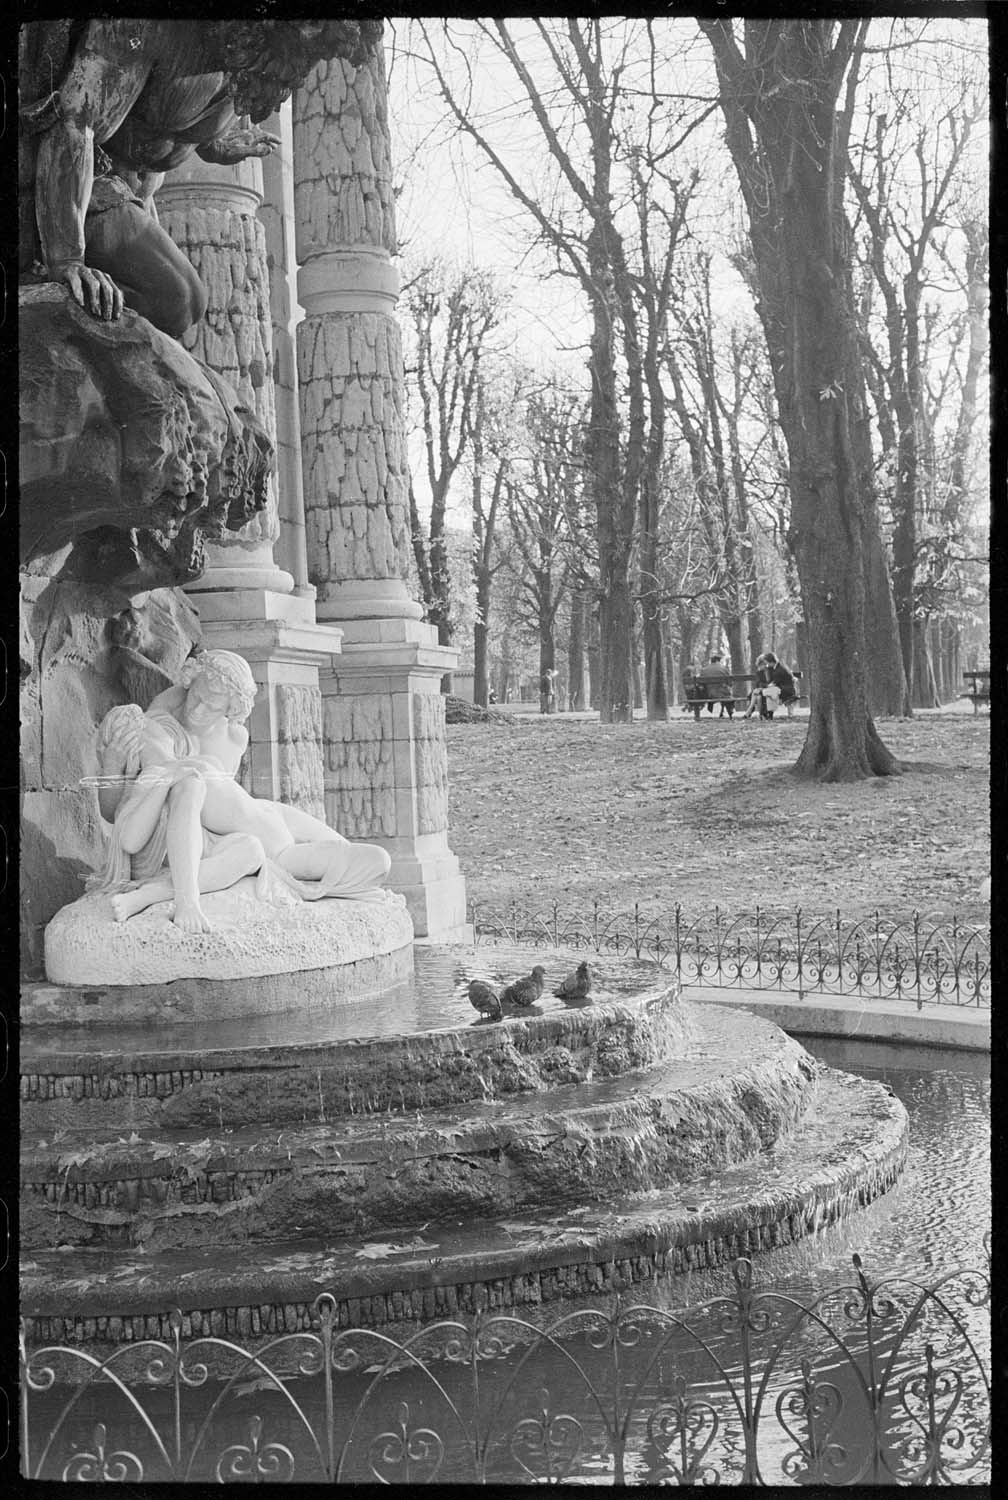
x=189, y=916
x=122, y=907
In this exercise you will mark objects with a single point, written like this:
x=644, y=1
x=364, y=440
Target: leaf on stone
x=75, y=1159
x=259, y=1383
x=159, y=1153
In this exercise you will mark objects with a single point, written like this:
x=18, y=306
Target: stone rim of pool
x=580, y=1149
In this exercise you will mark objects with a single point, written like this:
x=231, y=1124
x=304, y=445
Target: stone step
x=232, y=1073
x=846, y=1151
x=741, y=1087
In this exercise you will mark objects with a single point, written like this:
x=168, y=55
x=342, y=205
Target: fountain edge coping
x=964, y=1028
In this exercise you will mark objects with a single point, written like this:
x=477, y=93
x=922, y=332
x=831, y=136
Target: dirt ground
x=565, y=809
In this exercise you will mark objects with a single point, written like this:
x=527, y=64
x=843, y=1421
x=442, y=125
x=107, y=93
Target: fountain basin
x=848, y=1149
x=224, y=1075
x=412, y=1159
x=735, y=1091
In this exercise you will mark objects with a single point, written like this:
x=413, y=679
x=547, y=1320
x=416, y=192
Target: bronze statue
x=108, y=106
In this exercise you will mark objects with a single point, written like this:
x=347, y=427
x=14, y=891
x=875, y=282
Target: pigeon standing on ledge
x=525, y=991
x=484, y=999
x=577, y=985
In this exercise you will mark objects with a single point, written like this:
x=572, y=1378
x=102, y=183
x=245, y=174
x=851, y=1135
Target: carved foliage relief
x=299, y=731
x=431, y=762
x=360, y=766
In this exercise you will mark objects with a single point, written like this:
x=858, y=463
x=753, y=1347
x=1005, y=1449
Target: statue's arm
x=138, y=816
x=102, y=84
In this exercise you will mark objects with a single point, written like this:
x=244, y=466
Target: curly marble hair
x=266, y=60
x=227, y=672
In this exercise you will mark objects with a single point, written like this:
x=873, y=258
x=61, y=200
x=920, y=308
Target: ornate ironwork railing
x=929, y=961
x=883, y=1382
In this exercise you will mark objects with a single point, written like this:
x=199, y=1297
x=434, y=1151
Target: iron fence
x=876, y=1382
x=930, y=961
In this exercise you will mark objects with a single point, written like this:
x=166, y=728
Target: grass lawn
x=569, y=810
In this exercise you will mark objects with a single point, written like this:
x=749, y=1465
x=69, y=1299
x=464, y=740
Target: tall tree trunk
x=602, y=463
x=673, y=672
x=888, y=690
x=577, y=652
x=736, y=644
x=653, y=642
x=789, y=182
x=687, y=633
x=925, y=689
x=547, y=662
x=504, y=670
x=481, y=631
x=594, y=663
x=748, y=581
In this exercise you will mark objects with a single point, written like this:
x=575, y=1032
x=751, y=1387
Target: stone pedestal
x=386, y=762
x=385, y=752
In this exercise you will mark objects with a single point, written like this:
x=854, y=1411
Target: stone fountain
x=409, y=1159
x=240, y=1085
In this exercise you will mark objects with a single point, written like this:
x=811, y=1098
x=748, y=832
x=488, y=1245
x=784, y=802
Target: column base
x=247, y=605
x=377, y=599
x=436, y=902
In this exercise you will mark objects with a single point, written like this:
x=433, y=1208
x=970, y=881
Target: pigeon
x=525, y=991
x=484, y=999
x=577, y=985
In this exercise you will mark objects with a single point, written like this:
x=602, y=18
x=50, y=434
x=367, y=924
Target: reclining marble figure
x=182, y=826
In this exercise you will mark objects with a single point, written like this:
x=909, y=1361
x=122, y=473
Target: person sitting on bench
x=717, y=687
x=776, y=687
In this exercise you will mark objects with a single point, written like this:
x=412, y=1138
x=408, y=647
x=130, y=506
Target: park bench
x=742, y=685
x=979, y=688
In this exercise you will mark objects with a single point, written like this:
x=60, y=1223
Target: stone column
x=277, y=217
x=385, y=750
x=211, y=212
x=246, y=602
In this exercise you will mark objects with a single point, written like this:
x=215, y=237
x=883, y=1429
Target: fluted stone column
x=245, y=601
x=385, y=749
x=211, y=212
x=277, y=217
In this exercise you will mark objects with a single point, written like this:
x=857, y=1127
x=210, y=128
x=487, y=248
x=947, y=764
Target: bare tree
x=538, y=499
x=452, y=312
x=493, y=444
x=577, y=115
x=905, y=176
x=779, y=92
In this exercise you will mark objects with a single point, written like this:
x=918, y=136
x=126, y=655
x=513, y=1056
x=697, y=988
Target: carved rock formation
x=131, y=452
x=250, y=938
